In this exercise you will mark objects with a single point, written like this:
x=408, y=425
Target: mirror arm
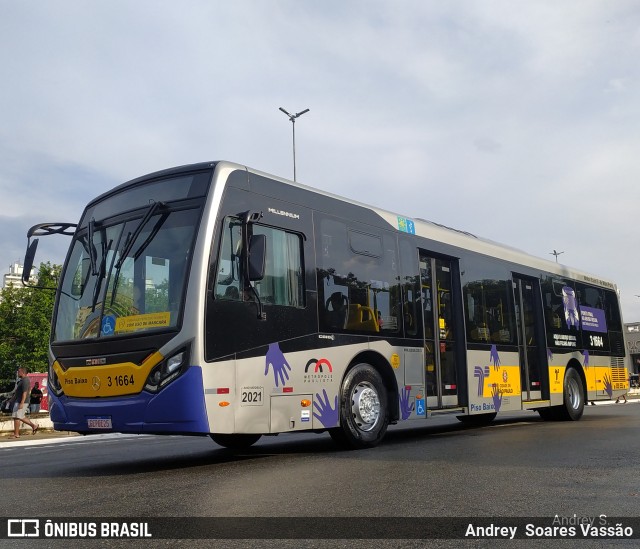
x=249, y=218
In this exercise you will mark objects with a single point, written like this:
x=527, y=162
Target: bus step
x=532, y=404
x=444, y=411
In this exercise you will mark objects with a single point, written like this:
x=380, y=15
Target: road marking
x=27, y=440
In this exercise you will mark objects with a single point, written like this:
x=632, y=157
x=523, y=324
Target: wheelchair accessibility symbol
x=108, y=325
x=420, y=409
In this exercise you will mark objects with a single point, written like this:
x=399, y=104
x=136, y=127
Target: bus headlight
x=53, y=382
x=167, y=370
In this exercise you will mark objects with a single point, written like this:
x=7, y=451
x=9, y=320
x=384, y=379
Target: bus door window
x=410, y=310
x=446, y=330
x=439, y=336
x=528, y=337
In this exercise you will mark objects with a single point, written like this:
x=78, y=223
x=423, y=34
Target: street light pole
x=293, y=117
x=556, y=254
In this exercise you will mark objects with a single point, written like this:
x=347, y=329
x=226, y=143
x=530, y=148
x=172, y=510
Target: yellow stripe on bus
x=109, y=380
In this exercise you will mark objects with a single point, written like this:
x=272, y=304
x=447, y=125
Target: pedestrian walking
x=624, y=397
x=22, y=396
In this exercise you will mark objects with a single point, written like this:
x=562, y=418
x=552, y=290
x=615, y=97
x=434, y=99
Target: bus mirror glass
x=28, y=261
x=257, y=253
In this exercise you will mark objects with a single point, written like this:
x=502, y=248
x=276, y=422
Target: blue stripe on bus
x=178, y=408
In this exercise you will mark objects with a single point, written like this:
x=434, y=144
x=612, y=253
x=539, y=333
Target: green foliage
x=25, y=325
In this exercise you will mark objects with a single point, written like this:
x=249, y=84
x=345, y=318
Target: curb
x=43, y=422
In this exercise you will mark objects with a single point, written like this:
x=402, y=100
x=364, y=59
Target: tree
x=25, y=325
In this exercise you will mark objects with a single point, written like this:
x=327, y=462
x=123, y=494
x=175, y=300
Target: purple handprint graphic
x=405, y=407
x=494, y=357
x=496, y=394
x=608, y=386
x=276, y=359
x=549, y=354
x=327, y=415
x=585, y=353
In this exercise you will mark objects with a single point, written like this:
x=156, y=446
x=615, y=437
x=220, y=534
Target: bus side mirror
x=28, y=261
x=257, y=253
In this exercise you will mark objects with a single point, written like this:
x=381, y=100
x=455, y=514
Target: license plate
x=99, y=423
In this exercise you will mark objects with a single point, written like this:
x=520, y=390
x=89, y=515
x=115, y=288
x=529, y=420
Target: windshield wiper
x=130, y=240
x=100, y=274
x=93, y=254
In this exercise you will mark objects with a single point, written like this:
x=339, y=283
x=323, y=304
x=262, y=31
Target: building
x=13, y=277
x=633, y=346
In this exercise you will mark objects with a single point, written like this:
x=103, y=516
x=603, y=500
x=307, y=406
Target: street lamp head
x=293, y=117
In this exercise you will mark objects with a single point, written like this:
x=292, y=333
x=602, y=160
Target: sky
x=518, y=121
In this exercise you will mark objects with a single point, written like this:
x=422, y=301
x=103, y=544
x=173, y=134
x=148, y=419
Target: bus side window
x=283, y=281
x=358, y=278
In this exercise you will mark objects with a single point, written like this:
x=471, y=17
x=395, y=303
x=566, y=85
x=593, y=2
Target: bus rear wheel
x=573, y=400
x=364, y=413
x=235, y=442
x=573, y=395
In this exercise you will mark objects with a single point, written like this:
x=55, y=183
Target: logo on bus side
x=284, y=213
x=315, y=371
x=318, y=365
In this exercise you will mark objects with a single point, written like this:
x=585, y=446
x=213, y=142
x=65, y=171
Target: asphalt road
x=520, y=466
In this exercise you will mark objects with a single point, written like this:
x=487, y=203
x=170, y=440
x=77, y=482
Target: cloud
x=515, y=122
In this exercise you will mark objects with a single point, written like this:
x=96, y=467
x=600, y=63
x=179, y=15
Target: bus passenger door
x=531, y=339
x=439, y=331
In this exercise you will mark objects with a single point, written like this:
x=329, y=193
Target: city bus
x=214, y=299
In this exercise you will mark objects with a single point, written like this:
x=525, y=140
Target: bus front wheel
x=364, y=413
x=235, y=442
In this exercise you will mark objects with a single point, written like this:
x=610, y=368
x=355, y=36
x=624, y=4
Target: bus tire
x=235, y=442
x=364, y=412
x=573, y=395
x=477, y=420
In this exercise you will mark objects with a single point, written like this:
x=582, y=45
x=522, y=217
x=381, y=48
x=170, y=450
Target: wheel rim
x=365, y=406
x=573, y=391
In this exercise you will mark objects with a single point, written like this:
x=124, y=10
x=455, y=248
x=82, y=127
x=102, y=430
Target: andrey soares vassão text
x=560, y=527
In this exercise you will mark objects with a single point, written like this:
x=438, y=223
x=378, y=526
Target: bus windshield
x=127, y=273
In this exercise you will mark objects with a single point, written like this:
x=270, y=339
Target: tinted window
x=410, y=282
x=488, y=303
x=365, y=244
x=562, y=314
x=163, y=190
x=593, y=321
x=357, y=279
